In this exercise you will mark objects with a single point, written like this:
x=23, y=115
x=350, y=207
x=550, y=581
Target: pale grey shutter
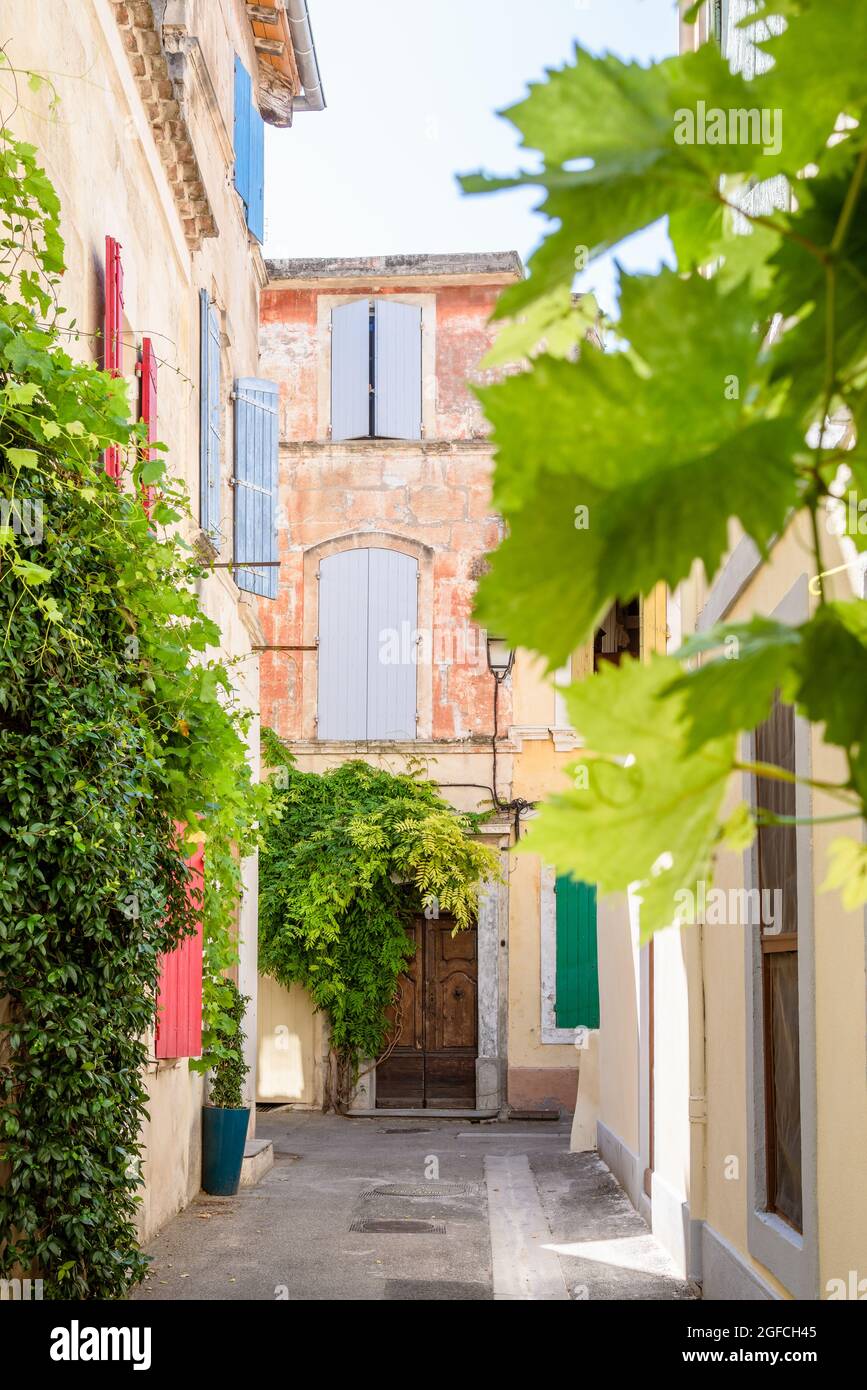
x=350, y=370
x=209, y=431
x=256, y=468
x=397, y=370
x=343, y=645
x=392, y=663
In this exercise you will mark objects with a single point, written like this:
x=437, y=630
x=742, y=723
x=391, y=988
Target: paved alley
x=401, y=1209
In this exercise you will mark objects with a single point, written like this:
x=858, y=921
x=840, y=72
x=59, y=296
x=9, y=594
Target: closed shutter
x=256, y=481
x=368, y=605
x=397, y=370
x=148, y=409
x=343, y=645
x=577, y=996
x=249, y=142
x=179, y=995
x=113, y=333
x=209, y=426
x=350, y=370
x=392, y=666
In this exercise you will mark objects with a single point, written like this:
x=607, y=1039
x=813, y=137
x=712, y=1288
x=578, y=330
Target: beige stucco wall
x=99, y=151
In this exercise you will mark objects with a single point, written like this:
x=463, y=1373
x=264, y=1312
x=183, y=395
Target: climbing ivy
x=350, y=856
x=115, y=728
x=736, y=396
x=227, y=1083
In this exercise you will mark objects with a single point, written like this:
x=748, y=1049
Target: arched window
x=368, y=645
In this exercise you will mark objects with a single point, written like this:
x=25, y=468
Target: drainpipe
x=305, y=56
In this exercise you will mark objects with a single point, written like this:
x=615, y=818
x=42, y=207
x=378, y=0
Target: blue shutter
x=577, y=989
x=249, y=142
x=392, y=660
x=343, y=645
x=256, y=199
x=256, y=484
x=350, y=370
x=397, y=370
x=209, y=420
x=241, y=137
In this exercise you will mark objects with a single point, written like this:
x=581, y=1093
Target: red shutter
x=148, y=369
x=179, y=997
x=112, y=332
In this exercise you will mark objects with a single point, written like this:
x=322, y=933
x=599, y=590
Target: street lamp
x=500, y=657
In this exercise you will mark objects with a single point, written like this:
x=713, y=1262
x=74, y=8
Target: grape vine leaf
x=645, y=814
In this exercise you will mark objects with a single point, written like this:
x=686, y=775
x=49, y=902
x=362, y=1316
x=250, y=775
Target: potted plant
x=225, y=1117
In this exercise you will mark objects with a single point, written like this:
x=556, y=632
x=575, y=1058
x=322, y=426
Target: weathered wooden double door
x=433, y=1063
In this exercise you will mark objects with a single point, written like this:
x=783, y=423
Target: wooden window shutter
x=577, y=987
x=249, y=142
x=343, y=645
x=256, y=485
x=397, y=370
x=368, y=611
x=209, y=424
x=113, y=333
x=350, y=370
x=179, y=994
x=148, y=369
x=392, y=660
x=241, y=134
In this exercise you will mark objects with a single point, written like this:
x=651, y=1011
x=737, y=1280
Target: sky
x=413, y=87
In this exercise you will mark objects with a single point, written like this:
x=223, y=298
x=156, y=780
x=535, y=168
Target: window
x=577, y=983
x=255, y=486
x=209, y=419
x=620, y=632
x=778, y=884
x=376, y=370
x=249, y=142
x=368, y=652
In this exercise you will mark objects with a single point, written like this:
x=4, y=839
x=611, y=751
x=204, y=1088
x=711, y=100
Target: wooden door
x=433, y=1064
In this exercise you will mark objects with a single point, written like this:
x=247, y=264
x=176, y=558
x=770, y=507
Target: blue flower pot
x=224, y=1134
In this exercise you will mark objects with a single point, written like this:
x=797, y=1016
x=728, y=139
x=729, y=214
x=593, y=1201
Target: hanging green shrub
x=114, y=728
x=352, y=854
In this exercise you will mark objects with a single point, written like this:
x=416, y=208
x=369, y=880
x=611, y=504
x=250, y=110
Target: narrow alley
x=392, y=1209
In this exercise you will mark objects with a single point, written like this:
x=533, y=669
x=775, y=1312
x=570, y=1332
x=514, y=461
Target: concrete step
x=258, y=1158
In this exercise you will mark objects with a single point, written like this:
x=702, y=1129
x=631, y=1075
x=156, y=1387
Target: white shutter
x=397, y=369
x=256, y=469
x=343, y=646
x=350, y=370
x=392, y=660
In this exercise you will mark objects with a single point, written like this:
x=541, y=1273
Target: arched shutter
x=368, y=611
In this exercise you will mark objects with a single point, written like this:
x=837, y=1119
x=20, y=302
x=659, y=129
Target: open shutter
x=148, y=369
x=179, y=996
x=113, y=333
x=256, y=197
x=577, y=996
x=241, y=133
x=209, y=424
x=397, y=370
x=256, y=480
x=392, y=661
x=343, y=645
x=350, y=370
x=249, y=142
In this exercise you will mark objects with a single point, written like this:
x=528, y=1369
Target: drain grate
x=399, y=1227
x=427, y=1189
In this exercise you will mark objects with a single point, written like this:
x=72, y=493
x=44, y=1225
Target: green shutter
x=577, y=997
